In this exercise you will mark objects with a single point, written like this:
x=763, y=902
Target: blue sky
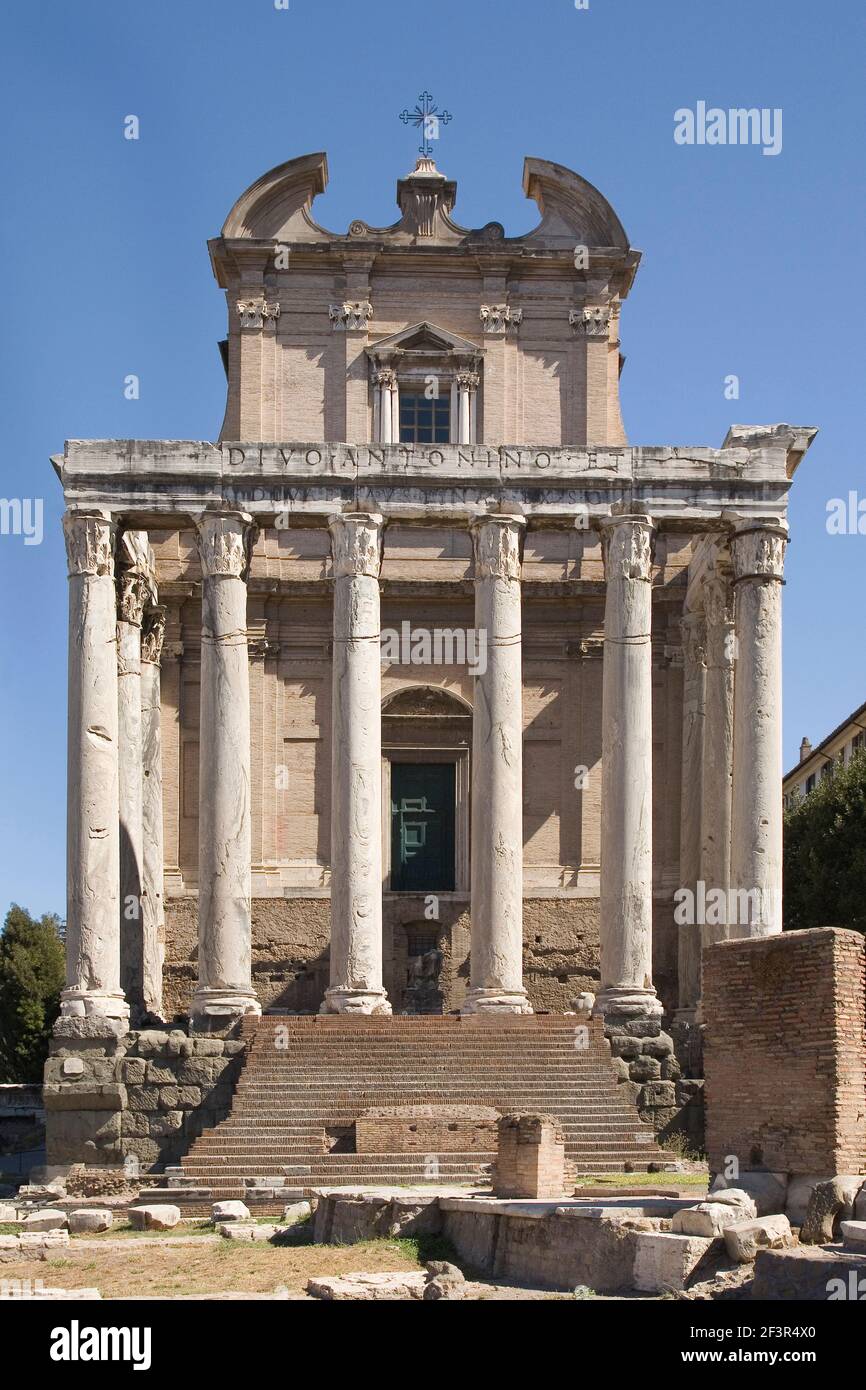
x=752, y=264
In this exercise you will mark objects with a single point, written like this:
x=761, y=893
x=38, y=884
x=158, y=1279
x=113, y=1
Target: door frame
x=421, y=753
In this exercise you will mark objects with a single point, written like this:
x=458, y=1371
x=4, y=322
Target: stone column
x=496, y=982
x=93, y=831
x=466, y=385
x=626, y=788
x=153, y=910
x=718, y=746
x=385, y=379
x=691, y=803
x=133, y=590
x=758, y=554
x=356, y=770
x=224, y=989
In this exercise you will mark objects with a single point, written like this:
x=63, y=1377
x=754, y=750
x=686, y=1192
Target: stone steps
x=333, y=1067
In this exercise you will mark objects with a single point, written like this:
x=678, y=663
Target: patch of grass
x=420, y=1248
x=7, y=1229
x=626, y=1180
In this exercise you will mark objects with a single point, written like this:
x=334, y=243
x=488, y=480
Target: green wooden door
x=422, y=827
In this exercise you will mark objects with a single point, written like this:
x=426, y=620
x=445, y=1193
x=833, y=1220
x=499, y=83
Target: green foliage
x=31, y=977
x=825, y=853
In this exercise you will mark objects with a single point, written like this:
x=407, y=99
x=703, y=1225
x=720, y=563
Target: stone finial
x=356, y=544
x=89, y=540
x=225, y=544
x=497, y=546
x=805, y=749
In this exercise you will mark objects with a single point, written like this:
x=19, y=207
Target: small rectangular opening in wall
x=340, y=1139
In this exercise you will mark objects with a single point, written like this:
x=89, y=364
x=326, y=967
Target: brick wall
x=530, y=1157
x=784, y=1054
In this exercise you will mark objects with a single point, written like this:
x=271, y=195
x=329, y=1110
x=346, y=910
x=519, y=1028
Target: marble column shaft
x=224, y=988
x=758, y=555
x=496, y=980
x=153, y=908
x=718, y=745
x=356, y=770
x=133, y=589
x=691, y=805
x=93, y=831
x=626, y=795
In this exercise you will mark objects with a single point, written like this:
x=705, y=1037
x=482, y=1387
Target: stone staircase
x=307, y=1077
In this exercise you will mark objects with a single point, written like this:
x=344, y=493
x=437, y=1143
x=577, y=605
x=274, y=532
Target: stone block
x=708, y=1219
x=830, y=1203
x=860, y=1204
x=809, y=1274
x=671, y=1069
x=158, y=1217
x=92, y=1028
x=37, y=1241
x=368, y=1288
x=90, y=1220
x=208, y=1047
x=744, y=1238
x=60, y=1096
x=143, y=1098
x=665, y=1262
x=135, y=1124
x=733, y=1197
x=444, y=1281
x=197, y=1072
x=296, y=1212
x=133, y=1071
x=230, y=1211
x=46, y=1219
x=661, y=1046
x=625, y=1046
x=176, y=1042
x=657, y=1094
x=7, y=1214
x=767, y=1190
x=853, y=1235
x=800, y=1189
x=145, y=1150
x=151, y=1042
x=166, y=1123
x=645, y=1069
x=161, y=1073
x=247, y=1231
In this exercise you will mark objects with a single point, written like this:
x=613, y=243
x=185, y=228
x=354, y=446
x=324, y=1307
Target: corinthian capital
x=758, y=551
x=89, y=540
x=592, y=321
x=225, y=544
x=627, y=547
x=135, y=576
x=254, y=313
x=356, y=544
x=352, y=315
x=497, y=545
x=153, y=634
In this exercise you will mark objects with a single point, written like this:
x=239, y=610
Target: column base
x=355, y=1001
x=84, y=1003
x=627, y=1003
x=218, y=1007
x=497, y=1001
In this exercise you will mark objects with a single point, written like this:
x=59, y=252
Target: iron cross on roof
x=427, y=117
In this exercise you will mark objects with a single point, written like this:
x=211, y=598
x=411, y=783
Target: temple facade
x=421, y=689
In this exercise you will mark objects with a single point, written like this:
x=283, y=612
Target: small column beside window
x=467, y=383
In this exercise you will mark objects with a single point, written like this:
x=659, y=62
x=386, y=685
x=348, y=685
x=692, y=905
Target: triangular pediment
x=425, y=340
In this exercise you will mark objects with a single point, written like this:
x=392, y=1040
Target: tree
x=825, y=853
x=31, y=978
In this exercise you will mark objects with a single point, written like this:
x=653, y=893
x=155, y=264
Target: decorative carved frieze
x=153, y=634
x=350, y=316
x=497, y=318
x=254, y=313
x=627, y=544
x=591, y=322
x=89, y=543
x=225, y=544
x=497, y=544
x=758, y=552
x=356, y=544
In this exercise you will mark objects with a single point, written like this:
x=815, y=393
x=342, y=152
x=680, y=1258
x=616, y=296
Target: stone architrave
x=134, y=587
x=93, y=831
x=626, y=790
x=718, y=746
x=153, y=912
x=758, y=555
x=689, y=932
x=496, y=963
x=356, y=770
x=224, y=988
